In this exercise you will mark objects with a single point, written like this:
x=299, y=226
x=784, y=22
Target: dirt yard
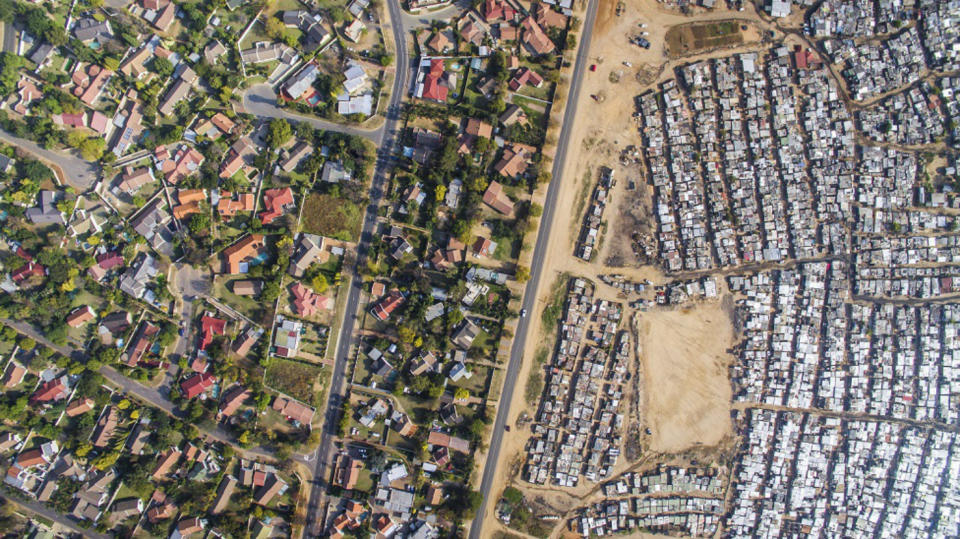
x=685, y=372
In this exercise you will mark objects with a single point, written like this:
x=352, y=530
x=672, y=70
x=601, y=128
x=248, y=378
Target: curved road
x=78, y=173
x=388, y=134
x=261, y=100
x=530, y=292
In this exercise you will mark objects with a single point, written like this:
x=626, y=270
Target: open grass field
x=331, y=216
x=293, y=378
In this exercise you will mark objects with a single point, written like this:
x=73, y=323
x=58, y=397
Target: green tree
x=279, y=132
x=162, y=66
x=200, y=223
x=319, y=283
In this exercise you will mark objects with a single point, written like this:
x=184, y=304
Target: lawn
x=343, y=290
x=477, y=382
x=245, y=304
x=332, y=217
x=293, y=378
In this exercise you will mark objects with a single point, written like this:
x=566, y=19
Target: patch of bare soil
x=685, y=368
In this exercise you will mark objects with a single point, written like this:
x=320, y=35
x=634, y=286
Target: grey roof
x=46, y=211
x=88, y=29
x=41, y=53
x=334, y=172
x=135, y=279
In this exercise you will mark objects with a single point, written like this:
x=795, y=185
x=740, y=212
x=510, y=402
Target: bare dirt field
x=685, y=372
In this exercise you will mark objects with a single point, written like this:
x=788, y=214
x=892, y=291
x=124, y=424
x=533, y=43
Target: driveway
x=261, y=100
x=78, y=173
x=188, y=284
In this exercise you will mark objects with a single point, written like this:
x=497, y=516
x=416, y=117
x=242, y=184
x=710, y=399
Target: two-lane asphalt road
x=530, y=292
x=384, y=163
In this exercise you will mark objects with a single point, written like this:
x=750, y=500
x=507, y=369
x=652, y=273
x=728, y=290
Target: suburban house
x=275, y=202
x=497, y=199
x=385, y=307
x=236, y=256
x=80, y=316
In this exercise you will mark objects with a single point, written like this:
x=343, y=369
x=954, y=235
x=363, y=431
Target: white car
x=628, y=64
x=523, y=313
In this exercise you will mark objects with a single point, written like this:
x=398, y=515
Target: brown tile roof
x=245, y=248
x=497, y=199
x=80, y=406
x=534, y=36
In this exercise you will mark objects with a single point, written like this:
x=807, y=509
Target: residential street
x=79, y=173
x=384, y=164
x=154, y=397
x=261, y=100
x=50, y=514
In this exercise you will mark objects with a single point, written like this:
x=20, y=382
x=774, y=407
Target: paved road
x=188, y=284
x=9, y=38
x=384, y=164
x=530, y=293
x=79, y=173
x=261, y=100
x=50, y=514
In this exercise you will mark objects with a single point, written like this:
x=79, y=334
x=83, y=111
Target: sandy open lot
x=687, y=397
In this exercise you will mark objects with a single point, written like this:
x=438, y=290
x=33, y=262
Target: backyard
x=331, y=216
x=293, y=378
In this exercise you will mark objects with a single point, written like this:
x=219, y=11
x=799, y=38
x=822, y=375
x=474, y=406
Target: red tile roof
x=54, y=390
x=197, y=384
x=432, y=89
x=275, y=201
x=385, y=307
x=210, y=326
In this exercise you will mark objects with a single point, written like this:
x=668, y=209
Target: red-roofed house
x=433, y=88
x=385, y=307
x=80, y=316
x=210, y=326
x=99, y=122
x=69, y=120
x=525, y=76
x=141, y=342
x=497, y=199
x=497, y=10
x=185, y=162
x=30, y=269
x=306, y=302
x=276, y=201
x=535, y=38
x=232, y=400
x=197, y=384
x=52, y=391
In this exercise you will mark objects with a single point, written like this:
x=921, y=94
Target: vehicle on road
x=523, y=313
